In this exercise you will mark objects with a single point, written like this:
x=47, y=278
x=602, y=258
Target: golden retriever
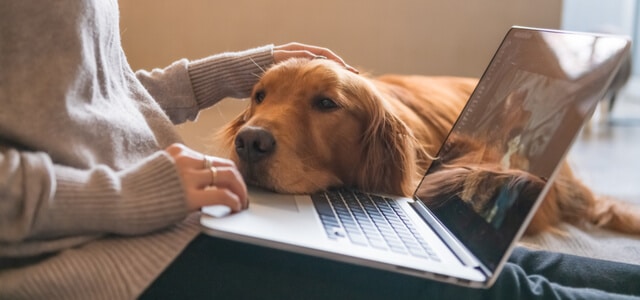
x=312, y=125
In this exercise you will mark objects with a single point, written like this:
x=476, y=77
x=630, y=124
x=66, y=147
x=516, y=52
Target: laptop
x=547, y=81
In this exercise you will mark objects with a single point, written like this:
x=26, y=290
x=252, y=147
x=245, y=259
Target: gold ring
x=207, y=162
x=214, y=174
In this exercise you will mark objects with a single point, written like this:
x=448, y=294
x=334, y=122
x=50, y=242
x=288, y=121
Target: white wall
x=606, y=16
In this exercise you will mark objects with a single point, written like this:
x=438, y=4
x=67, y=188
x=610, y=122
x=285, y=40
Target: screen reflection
x=512, y=135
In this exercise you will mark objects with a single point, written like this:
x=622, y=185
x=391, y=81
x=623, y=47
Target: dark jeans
x=215, y=268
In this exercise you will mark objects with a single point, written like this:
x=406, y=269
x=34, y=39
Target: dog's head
x=312, y=125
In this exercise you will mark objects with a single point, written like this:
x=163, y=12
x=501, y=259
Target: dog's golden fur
x=316, y=125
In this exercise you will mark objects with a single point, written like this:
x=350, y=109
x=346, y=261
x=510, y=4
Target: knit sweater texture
x=90, y=205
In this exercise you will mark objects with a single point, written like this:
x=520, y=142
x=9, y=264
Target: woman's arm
x=43, y=201
x=186, y=87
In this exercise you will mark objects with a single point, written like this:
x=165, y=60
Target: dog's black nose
x=254, y=143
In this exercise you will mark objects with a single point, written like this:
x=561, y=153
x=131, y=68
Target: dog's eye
x=259, y=96
x=325, y=104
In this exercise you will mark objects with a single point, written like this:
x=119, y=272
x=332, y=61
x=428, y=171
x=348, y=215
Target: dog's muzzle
x=254, y=144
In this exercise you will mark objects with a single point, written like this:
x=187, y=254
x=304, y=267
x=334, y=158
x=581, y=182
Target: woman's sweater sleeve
x=40, y=200
x=185, y=87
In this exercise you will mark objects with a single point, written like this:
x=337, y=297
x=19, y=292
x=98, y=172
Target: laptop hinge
x=459, y=250
x=484, y=270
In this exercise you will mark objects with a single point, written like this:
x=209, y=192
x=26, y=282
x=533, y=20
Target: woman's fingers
x=215, y=196
x=217, y=162
x=230, y=178
x=188, y=157
x=208, y=180
x=222, y=181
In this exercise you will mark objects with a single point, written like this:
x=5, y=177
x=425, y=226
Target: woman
x=95, y=187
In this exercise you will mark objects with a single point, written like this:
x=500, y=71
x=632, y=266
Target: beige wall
x=452, y=37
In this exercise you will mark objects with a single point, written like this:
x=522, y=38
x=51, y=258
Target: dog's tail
x=616, y=215
x=579, y=204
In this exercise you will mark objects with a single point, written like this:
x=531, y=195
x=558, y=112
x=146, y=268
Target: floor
x=606, y=155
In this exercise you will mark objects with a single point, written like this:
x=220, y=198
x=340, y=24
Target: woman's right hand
x=219, y=184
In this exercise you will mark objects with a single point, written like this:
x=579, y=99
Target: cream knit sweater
x=90, y=207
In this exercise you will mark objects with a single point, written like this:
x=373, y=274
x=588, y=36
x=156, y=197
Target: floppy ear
x=388, y=156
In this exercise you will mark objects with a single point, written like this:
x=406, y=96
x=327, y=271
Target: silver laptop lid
x=523, y=116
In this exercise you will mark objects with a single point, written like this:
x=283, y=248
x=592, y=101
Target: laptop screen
x=507, y=143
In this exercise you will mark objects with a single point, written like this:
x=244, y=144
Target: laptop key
x=322, y=205
x=369, y=220
x=357, y=238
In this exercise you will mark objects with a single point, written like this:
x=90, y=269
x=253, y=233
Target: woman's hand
x=286, y=51
x=209, y=180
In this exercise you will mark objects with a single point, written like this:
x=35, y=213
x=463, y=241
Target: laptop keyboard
x=369, y=220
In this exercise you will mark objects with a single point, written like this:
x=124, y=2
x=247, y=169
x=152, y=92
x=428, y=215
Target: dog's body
x=313, y=125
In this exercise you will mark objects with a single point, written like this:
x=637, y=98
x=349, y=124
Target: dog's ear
x=389, y=151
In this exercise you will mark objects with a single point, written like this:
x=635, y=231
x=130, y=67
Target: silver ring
x=214, y=174
x=319, y=57
x=207, y=162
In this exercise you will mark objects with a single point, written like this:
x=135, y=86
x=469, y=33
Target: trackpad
x=264, y=197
